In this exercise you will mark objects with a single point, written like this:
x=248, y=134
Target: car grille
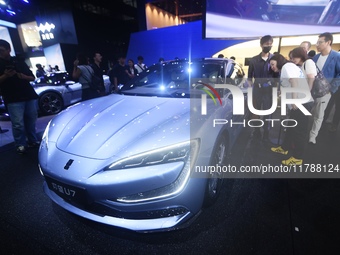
x=104, y=210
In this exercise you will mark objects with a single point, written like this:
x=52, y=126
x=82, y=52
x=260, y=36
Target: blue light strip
x=10, y=12
x=7, y=24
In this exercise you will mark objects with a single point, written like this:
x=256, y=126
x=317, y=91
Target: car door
x=72, y=92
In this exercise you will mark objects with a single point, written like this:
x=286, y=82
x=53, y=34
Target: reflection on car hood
x=122, y=125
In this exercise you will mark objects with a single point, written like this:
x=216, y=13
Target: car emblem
x=68, y=164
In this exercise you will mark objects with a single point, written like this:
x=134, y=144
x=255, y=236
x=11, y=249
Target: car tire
x=50, y=103
x=215, y=180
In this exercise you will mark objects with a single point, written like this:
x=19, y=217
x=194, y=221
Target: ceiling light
x=11, y=13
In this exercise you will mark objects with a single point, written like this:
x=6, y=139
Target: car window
x=176, y=79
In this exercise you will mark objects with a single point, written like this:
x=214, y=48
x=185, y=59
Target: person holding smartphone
x=19, y=97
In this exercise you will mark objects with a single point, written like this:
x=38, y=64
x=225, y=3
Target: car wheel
x=50, y=103
x=215, y=180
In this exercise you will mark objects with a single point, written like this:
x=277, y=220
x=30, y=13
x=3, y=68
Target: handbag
x=321, y=85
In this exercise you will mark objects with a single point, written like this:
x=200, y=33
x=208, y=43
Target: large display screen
x=243, y=19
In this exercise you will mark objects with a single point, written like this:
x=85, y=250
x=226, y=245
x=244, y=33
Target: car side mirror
x=68, y=83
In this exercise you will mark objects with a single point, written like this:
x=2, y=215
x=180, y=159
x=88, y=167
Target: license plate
x=67, y=192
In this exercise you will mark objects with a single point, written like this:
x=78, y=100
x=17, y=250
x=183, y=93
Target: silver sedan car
x=137, y=159
x=56, y=91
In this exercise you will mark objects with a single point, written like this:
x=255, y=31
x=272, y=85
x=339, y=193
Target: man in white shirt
x=140, y=66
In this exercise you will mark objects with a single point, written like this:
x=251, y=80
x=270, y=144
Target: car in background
x=57, y=91
x=129, y=160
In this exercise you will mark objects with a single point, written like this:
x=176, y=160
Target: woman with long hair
x=294, y=141
x=131, y=71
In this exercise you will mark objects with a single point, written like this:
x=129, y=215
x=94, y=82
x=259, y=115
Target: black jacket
x=14, y=89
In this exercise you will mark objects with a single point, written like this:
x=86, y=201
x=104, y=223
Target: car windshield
x=175, y=79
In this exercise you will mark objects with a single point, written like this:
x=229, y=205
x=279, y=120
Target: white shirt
x=321, y=61
x=140, y=67
x=308, y=67
x=291, y=71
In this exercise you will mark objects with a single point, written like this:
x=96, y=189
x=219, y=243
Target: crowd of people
x=90, y=75
x=89, y=72
x=298, y=70
x=87, y=69
x=41, y=70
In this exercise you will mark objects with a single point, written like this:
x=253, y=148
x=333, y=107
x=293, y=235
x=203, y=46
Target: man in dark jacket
x=19, y=97
x=98, y=72
x=261, y=79
x=118, y=75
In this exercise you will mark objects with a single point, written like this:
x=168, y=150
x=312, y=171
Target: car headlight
x=185, y=151
x=173, y=153
x=44, y=139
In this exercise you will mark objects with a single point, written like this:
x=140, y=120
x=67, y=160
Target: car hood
x=120, y=126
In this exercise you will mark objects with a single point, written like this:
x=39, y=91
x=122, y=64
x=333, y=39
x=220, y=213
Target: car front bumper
x=138, y=224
